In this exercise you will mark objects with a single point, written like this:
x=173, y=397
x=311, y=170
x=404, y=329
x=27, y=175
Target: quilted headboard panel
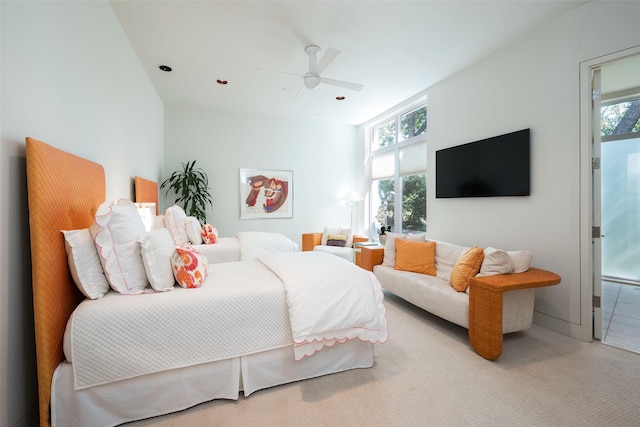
x=146, y=191
x=64, y=192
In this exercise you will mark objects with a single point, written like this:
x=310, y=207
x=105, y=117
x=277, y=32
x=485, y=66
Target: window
x=398, y=171
x=620, y=118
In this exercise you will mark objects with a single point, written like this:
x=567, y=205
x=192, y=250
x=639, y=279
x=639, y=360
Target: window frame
x=395, y=148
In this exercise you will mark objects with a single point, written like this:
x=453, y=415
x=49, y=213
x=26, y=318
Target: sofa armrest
x=368, y=257
x=357, y=239
x=485, y=306
x=310, y=241
x=532, y=278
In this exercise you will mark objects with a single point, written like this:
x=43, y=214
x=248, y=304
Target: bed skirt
x=174, y=390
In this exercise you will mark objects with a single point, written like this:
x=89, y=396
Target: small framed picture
x=266, y=193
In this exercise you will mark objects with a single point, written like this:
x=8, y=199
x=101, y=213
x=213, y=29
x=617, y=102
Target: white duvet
x=330, y=300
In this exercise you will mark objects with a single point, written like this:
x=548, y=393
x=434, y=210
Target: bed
x=244, y=246
x=64, y=193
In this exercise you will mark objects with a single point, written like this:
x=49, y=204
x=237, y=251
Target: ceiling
x=396, y=49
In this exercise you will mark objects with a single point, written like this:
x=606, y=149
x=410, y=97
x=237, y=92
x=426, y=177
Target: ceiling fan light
x=311, y=81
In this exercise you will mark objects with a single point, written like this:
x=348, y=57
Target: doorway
x=619, y=182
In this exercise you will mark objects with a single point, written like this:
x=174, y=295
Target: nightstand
x=368, y=256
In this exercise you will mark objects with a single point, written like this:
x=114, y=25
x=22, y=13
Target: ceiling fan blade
x=329, y=56
x=280, y=72
x=340, y=83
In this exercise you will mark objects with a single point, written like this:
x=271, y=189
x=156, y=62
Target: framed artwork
x=266, y=193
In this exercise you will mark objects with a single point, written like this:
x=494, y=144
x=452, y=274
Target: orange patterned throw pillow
x=190, y=267
x=209, y=234
x=467, y=266
x=417, y=257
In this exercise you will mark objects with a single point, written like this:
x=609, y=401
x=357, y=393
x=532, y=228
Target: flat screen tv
x=498, y=166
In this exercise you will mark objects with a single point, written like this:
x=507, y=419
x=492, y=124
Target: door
x=615, y=184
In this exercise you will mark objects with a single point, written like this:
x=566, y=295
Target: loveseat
x=486, y=290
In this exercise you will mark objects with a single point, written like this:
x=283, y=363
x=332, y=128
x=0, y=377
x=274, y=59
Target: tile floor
x=621, y=315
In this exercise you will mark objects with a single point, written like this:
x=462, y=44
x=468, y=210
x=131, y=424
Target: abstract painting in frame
x=266, y=193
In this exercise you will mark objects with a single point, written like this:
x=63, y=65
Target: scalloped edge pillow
x=416, y=256
x=84, y=263
x=115, y=232
x=467, y=266
x=189, y=266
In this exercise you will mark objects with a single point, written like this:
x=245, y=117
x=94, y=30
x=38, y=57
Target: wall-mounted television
x=497, y=166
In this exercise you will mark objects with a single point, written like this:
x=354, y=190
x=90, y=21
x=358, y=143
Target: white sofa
x=436, y=294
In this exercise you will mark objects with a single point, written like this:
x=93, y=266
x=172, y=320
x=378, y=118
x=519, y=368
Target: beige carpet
x=427, y=374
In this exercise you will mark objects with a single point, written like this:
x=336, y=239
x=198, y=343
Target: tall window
x=398, y=172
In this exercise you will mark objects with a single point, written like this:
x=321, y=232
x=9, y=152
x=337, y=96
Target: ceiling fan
x=313, y=78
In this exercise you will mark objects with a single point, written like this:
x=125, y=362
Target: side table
x=368, y=256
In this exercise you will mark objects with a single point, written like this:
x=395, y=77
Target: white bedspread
x=239, y=310
x=330, y=300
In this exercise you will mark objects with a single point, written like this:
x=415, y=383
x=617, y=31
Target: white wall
x=533, y=83
x=71, y=79
x=326, y=160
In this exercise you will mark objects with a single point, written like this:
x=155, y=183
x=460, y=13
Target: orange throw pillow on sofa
x=418, y=257
x=467, y=266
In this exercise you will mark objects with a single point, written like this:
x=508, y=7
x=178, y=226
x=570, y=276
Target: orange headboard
x=64, y=192
x=146, y=191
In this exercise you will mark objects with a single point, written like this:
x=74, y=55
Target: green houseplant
x=191, y=186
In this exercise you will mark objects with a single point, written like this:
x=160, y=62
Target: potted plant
x=191, y=186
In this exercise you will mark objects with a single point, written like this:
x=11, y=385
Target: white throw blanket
x=330, y=300
x=255, y=243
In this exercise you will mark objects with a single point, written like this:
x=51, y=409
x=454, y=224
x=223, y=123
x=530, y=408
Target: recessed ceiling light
x=340, y=98
x=165, y=68
x=222, y=82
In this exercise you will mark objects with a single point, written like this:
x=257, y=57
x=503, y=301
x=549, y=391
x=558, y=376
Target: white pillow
x=174, y=218
x=447, y=254
x=521, y=260
x=115, y=232
x=337, y=230
x=84, y=263
x=156, y=247
x=158, y=222
x=495, y=262
x=389, y=258
x=193, y=228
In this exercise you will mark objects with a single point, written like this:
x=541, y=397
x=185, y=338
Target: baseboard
x=580, y=332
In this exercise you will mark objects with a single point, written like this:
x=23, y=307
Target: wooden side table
x=485, y=306
x=369, y=256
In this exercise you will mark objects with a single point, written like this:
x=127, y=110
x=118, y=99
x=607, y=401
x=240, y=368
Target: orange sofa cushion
x=418, y=257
